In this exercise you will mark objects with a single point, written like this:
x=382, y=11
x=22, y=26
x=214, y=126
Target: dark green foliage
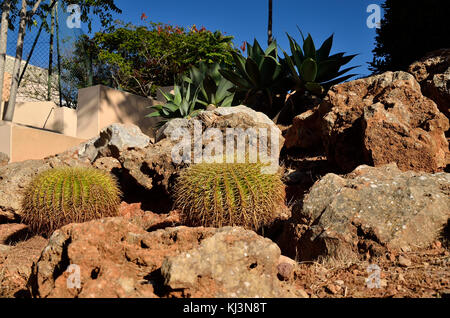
x=214, y=89
x=259, y=77
x=181, y=104
x=409, y=30
x=139, y=59
x=315, y=71
x=228, y=194
x=61, y=196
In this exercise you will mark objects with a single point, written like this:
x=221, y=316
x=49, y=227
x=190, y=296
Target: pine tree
x=408, y=31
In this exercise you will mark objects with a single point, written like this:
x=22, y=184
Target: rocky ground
x=368, y=190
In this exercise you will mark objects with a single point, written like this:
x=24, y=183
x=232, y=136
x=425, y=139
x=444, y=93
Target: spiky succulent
x=214, y=88
x=316, y=70
x=229, y=194
x=181, y=104
x=61, y=196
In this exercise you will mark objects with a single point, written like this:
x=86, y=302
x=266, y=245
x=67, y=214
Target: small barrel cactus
x=228, y=194
x=61, y=196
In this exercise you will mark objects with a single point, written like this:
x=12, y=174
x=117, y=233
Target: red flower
x=244, y=46
x=144, y=16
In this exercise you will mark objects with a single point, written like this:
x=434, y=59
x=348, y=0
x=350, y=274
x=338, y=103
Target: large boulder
x=305, y=131
x=433, y=74
x=373, y=209
x=238, y=117
x=154, y=166
x=116, y=258
x=232, y=263
x=383, y=119
x=113, y=140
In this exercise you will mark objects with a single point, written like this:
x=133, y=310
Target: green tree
x=138, y=59
x=39, y=8
x=408, y=31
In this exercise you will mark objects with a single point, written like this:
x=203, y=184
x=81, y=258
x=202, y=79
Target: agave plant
x=213, y=87
x=314, y=70
x=181, y=104
x=260, y=73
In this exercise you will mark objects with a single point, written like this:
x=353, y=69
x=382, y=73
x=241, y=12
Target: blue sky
x=247, y=19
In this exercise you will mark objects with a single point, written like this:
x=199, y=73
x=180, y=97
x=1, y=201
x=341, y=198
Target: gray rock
x=383, y=119
x=222, y=118
x=113, y=140
x=433, y=74
x=375, y=208
x=118, y=258
x=233, y=263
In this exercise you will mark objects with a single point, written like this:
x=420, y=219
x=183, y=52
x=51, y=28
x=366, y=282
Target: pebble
x=4, y=248
x=303, y=294
x=333, y=289
x=404, y=262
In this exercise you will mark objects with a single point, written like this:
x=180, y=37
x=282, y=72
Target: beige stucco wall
x=22, y=143
x=46, y=115
x=100, y=106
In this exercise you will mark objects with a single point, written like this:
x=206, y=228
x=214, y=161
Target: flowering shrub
x=139, y=59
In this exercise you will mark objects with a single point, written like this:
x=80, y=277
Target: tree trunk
x=269, y=31
x=9, y=114
x=3, y=45
x=50, y=56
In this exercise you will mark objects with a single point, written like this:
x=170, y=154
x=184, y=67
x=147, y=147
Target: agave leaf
x=228, y=101
x=223, y=89
x=270, y=70
x=253, y=72
x=337, y=81
x=329, y=76
x=346, y=59
x=177, y=96
x=171, y=107
x=154, y=114
x=336, y=56
x=301, y=33
x=309, y=48
x=249, y=50
x=209, y=86
x=272, y=50
x=213, y=71
x=235, y=79
x=308, y=70
x=327, y=70
x=291, y=67
x=314, y=88
x=167, y=96
x=325, y=49
x=258, y=52
x=296, y=50
x=197, y=75
x=239, y=61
